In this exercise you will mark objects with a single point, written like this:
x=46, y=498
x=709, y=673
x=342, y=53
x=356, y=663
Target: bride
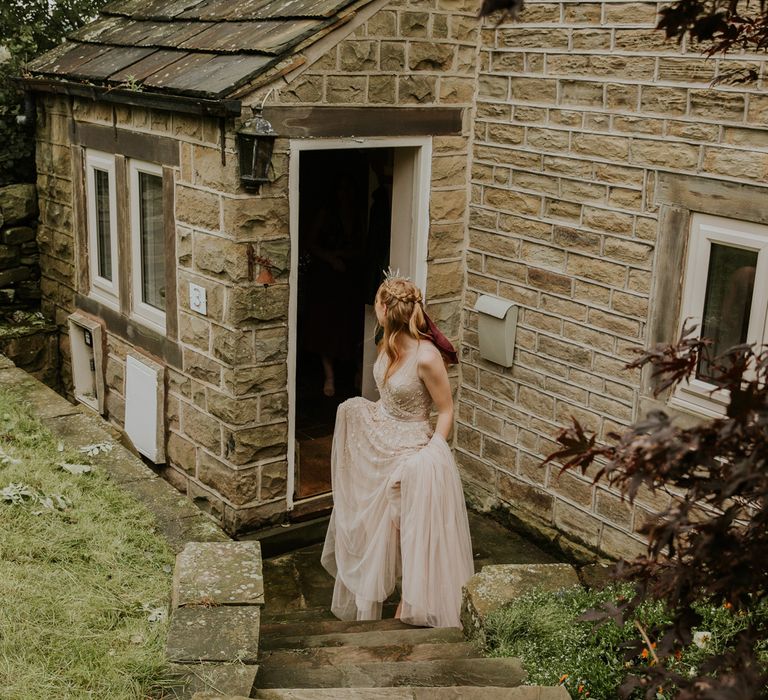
x=398, y=503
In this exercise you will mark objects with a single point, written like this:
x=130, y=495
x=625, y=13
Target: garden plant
x=708, y=551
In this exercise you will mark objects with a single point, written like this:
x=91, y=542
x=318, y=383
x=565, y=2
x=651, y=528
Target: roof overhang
x=136, y=98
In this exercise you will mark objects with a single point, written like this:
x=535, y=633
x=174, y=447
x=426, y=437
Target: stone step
x=440, y=673
x=523, y=692
x=314, y=627
x=321, y=656
x=415, y=635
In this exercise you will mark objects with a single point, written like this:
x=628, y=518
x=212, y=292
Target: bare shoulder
x=429, y=358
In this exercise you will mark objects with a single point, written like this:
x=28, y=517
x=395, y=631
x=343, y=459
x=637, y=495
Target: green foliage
x=544, y=630
x=84, y=578
x=29, y=28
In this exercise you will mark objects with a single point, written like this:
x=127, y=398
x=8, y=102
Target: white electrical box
x=496, y=328
x=145, y=406
x=86, y=341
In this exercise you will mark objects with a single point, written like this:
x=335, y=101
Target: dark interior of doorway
x=345, y=216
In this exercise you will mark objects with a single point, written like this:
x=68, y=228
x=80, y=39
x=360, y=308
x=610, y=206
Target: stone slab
x=376, y=638
x=441, y=672
x=5, y=363
x=321, y=656
x=499, y=584
x=44, y=402
x=314, y=627
x=223, y=634
x=229, y=679
x=225, y=573
x=526, y=692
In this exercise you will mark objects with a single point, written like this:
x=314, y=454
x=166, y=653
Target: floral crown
x=391, y=275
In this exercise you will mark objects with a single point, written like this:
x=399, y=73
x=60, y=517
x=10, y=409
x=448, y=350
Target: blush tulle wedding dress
x=398, y=506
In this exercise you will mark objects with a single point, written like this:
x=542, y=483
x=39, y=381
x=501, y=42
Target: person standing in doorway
x=398, y=502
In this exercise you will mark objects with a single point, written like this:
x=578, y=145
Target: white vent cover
x=144, y=407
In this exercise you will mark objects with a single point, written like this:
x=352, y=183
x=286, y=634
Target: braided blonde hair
x=404, y=314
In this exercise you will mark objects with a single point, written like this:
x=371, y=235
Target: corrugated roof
x=197, y=48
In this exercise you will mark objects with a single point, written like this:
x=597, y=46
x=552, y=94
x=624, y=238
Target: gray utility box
x=496, y=326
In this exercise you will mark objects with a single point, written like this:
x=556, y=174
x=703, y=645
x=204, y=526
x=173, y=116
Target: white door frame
x=420, y=223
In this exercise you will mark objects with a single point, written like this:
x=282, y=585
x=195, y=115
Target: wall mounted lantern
x=255, y=141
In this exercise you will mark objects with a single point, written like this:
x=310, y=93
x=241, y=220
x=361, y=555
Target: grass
x=84, y=579
x=541, y=628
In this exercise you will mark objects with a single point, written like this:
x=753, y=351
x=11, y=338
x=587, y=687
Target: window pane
x=730, y=280
x=152, y=240
x=103, y=224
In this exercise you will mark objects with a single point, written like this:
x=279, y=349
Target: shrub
x=558, y=646
x=710, y=547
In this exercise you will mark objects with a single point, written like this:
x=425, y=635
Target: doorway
x=360, y=207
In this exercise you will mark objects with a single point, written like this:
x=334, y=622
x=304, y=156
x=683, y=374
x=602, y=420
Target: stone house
x=572, y=163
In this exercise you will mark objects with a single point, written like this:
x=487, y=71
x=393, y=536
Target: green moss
x=78, y=582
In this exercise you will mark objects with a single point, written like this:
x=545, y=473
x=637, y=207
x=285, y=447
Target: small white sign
x=197, y=299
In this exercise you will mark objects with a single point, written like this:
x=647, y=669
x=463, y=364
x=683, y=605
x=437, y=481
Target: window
x=725, y=295
x=102, y=226
x=147, y=244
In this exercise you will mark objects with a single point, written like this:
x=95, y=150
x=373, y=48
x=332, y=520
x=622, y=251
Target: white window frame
x=102, y=289
x=142, y=312
x=697, y=395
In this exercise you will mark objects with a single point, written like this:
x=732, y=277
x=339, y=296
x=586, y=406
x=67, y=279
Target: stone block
x=181, y=452
x=220, y=257
x=17, y=235
x=427, y=56
x=201, y=367
x=251, y=444
x=381, y=89
x=257, y=304
x=18, y=203
x=414, y=24
x=254, y=380
x=274, y=478
x=198, y=208
x=226, y=679
x=392, y=56
x=218, y=573
x=208, y=170
x=201, y=428
x=356, y=56
x=498, y=585
x=417, y=89
x=345, y=89
x=232, y=410
x=198, y=634
x=194, y=330
x=252, y=218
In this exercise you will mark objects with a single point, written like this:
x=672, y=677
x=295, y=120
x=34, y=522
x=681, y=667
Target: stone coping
x=213, y=639
x=498, y=584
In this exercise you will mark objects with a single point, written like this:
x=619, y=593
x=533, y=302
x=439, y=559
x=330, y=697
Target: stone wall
x=226, y=398
x=580, y=105
x=408, y=54
x=19, y=259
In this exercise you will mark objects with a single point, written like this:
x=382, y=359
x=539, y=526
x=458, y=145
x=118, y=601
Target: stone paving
x=296, y=582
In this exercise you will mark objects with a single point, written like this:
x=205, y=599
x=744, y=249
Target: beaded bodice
x=403, y=396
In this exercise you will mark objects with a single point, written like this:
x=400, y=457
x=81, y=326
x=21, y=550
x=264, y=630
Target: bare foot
x=399, y=610
x=329, y=387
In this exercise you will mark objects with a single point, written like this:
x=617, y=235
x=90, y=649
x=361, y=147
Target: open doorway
x=345, y=214
x=357, y=206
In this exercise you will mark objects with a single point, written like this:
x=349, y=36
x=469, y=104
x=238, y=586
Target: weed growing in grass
x=83, y=588
x=543, y=629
